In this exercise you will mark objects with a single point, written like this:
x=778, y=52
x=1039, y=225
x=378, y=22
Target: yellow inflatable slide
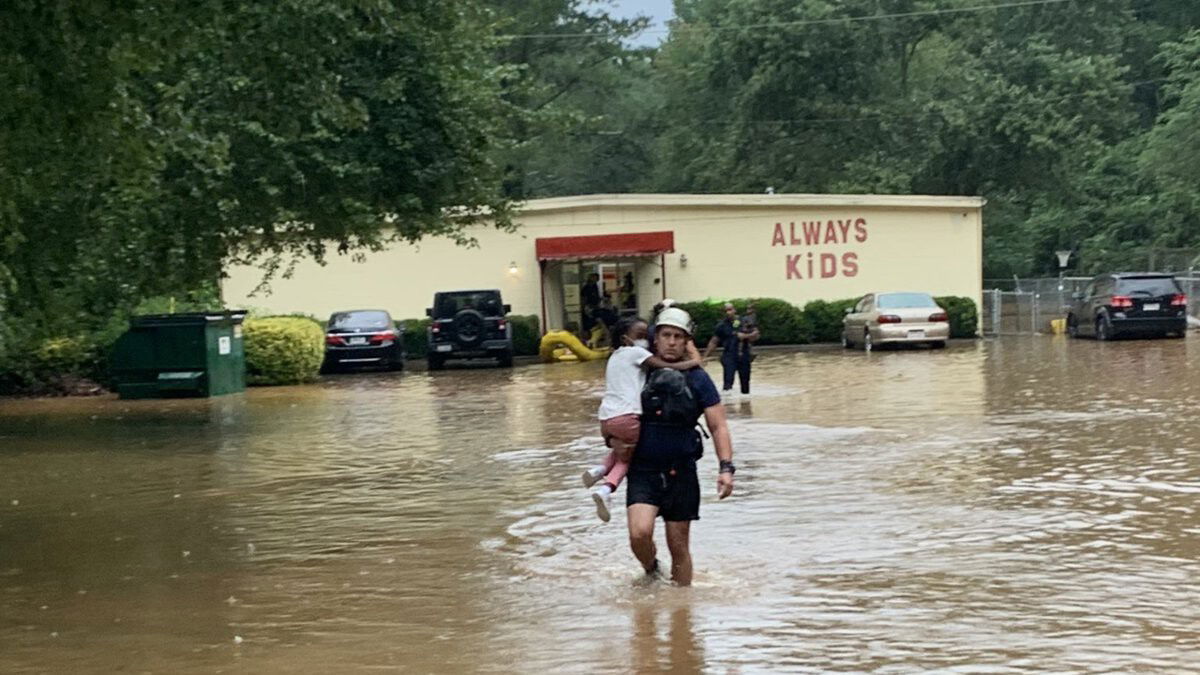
x=560, y=345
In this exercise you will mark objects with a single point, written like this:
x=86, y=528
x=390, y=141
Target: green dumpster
x=192, y=354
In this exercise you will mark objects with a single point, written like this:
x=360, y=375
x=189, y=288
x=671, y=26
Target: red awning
x=606, y=245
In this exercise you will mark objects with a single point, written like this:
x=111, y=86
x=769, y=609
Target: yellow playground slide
x=560, y=345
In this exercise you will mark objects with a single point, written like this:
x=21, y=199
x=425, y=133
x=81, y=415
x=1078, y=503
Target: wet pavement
x=1027, y=504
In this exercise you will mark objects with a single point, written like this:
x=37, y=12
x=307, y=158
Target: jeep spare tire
x=468, y=327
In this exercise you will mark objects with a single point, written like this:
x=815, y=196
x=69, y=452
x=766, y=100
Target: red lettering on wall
x=831, y=233
x=777, y=239
x=828, y=264
x=796, y=241
x=810, y=267
x=812, y=232
x=850, y=265
x=792, y=271
x=860, y=230
x=844, y=226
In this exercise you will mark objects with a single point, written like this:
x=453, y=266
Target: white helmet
x=674, y=316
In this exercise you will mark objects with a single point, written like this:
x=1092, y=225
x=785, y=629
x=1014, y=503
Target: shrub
x=823, y=318
x=416, y=337
x=781, y=322
x=283, y=350
x=527, y=334
x=57, y=365
x=964, y=316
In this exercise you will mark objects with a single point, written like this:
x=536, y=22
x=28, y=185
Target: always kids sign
x=819, y=236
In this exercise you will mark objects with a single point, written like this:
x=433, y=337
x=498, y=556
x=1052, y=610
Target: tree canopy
x=148, y=145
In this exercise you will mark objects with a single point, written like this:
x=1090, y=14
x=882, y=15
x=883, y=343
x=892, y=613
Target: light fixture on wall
x=683, y=260
x=512, y=267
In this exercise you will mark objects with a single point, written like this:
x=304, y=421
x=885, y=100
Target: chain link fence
x=1023, y=306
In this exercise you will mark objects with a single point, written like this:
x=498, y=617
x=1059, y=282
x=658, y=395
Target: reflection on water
x=1021, y=504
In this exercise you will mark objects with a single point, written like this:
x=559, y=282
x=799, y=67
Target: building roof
x=746, y=201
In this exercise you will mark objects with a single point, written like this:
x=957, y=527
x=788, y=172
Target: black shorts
x=676, y=493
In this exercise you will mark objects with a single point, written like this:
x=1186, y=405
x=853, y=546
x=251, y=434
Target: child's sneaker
x=592, y=475
x=603, y=498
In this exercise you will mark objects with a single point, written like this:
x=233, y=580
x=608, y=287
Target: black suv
x=469, y=325
x=1129, y=304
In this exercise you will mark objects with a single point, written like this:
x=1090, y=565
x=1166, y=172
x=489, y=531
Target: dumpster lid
x=188, y=318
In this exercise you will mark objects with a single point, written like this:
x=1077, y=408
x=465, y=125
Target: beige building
x=649, y=246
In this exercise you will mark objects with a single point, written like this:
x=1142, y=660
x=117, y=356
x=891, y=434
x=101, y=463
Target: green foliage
x=416, y=337
x=824, y=318
x=149, y=146
x=780, y=322
x=49, y=366
x=820, y=321
x=527, y=334
x=964, y=316
x=283, y=350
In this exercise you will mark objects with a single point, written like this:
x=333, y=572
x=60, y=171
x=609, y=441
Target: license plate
x=1150, y=307
x=358, y=341
x=916, y=333
x=445, y=348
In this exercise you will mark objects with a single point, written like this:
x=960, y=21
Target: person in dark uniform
x=589, y=295
x=662, y=478
x=734, y=341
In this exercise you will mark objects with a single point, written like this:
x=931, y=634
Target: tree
x=155, y=144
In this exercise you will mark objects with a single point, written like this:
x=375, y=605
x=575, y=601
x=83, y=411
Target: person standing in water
x=662, y=479
x=734, y=341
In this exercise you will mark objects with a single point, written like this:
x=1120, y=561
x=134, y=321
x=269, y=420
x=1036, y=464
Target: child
x=621, y=408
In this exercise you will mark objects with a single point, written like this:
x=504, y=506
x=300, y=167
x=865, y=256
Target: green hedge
x=283, y=350
x=964, y=317
x=49, y=366
x=781, y=322
x=527, y=335
x=820, y=321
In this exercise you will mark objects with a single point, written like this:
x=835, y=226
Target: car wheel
x=436, y=362
x=940, y=344
x=506, y=359
x=1103, y=329
x=1072, y=326
x=868, y=344
x=846, y=343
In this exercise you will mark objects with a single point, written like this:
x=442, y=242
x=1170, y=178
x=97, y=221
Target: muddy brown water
x=1012, y=505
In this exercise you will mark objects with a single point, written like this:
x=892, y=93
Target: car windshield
x=904, y=300
x=1154, y=286
x=360, y=320
x=486, y=302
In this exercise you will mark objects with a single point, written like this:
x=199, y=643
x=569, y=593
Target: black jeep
x=469, y=325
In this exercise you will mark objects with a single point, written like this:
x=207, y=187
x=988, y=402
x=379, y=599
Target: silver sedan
x=883, y=318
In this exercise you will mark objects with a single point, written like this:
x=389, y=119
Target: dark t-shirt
x=660, y=446
x=726, y=333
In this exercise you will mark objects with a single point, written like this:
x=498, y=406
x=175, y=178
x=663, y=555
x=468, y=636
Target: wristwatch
x=728, y=467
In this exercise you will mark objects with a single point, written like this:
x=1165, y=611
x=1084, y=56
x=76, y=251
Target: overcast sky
x=659, y=11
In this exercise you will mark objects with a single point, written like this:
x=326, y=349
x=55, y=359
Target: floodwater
x=1027, y=504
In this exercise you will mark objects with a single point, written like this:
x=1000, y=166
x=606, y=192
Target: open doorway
x=594, y=280
x=579, y=294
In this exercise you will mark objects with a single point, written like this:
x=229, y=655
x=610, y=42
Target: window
x=1149, y=286
x=485, y=302
x=904, y=300
x=360, y=320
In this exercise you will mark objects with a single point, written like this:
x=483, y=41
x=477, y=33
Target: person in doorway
x=662, y=473
x=731, y=337
x=621, y=408
x=628, y=297
x=589, y=296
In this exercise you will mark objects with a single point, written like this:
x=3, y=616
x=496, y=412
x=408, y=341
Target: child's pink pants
x=624, y=428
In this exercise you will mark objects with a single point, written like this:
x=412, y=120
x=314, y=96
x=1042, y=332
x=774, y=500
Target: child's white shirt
x=624, y=378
